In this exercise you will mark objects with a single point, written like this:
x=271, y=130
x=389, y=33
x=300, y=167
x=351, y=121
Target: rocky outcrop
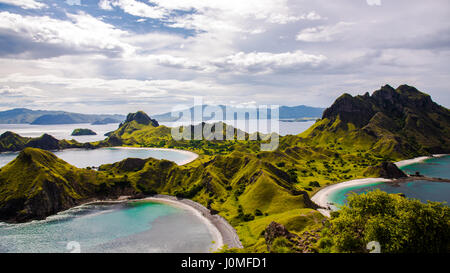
x=401, y=123
x=386, y=170
x=350, y=109
x=301, y=244
x=275, y=230
x=141, y=118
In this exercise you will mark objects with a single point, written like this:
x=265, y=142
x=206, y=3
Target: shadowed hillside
x=397, y=123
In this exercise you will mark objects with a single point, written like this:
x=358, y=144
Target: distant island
x=83, y=132
x=286, y=113
x=104, y=121
x=43, y=117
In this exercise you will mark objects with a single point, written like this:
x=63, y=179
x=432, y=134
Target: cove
x=130, y=227
x=83, y=158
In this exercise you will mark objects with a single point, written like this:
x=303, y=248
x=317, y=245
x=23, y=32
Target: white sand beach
x=221, y=231
x=321, y=198
x=192, y=156
x=416, y=160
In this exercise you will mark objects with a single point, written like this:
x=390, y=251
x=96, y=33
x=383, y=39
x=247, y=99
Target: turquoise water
x=141, y=226
x=419, y=189
x=433, y=167
x=83, y=158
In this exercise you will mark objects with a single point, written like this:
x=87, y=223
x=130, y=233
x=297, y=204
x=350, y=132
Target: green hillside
x=250, y=188
x=12, y=142
x=38, y=184
x=396, y=123
x=23, y=116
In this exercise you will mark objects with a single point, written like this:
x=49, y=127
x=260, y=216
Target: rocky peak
x=275, y=230
x=350, y=109
x=141, y=118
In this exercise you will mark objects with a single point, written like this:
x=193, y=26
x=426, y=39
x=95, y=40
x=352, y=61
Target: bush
x=399, y=224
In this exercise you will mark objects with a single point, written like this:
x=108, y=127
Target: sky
x=120, y=56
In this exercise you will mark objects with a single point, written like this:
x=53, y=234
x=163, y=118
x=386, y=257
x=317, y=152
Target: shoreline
x=222, y=232
x=320, y=198
x=193, y=156
x=419, y=159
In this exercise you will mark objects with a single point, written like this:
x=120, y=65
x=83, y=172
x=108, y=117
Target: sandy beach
x=416, y=160
x=221, y=231
x=192, y=156
x=321, y=197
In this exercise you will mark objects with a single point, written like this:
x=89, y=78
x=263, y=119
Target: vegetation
x=399, y=224
x=83, y=132
x=248, y=187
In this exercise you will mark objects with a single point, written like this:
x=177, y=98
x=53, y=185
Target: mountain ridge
x=45, y=117
x=402, y=122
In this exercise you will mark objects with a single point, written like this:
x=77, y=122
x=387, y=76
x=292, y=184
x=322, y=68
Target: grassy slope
x=37, y=184
x=252, y=188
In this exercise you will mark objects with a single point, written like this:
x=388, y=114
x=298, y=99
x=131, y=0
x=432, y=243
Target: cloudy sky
x=119, y=56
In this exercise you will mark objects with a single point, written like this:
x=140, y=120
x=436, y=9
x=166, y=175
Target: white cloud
x=82, y=32
x=135, y=8
x=323, y=33
x=21, y=91
x=107, y=87
x=25, y=4
x=265, y=62
x=105, y=4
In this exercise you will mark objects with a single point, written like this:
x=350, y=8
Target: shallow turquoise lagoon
x=141, y=226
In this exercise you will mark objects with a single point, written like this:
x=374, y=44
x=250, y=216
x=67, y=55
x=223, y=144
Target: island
x=83, y=132
x=266, y=196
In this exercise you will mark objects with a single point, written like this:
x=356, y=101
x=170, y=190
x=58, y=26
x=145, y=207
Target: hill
x=396, y=123
x=41, y=117
x=38, y=184
x=12, y=142
x=249, y=187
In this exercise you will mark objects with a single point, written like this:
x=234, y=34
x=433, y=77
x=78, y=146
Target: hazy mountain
x=285, y=112
x=42, y=117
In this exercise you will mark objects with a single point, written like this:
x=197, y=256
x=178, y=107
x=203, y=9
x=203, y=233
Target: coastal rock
x=386, y=170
